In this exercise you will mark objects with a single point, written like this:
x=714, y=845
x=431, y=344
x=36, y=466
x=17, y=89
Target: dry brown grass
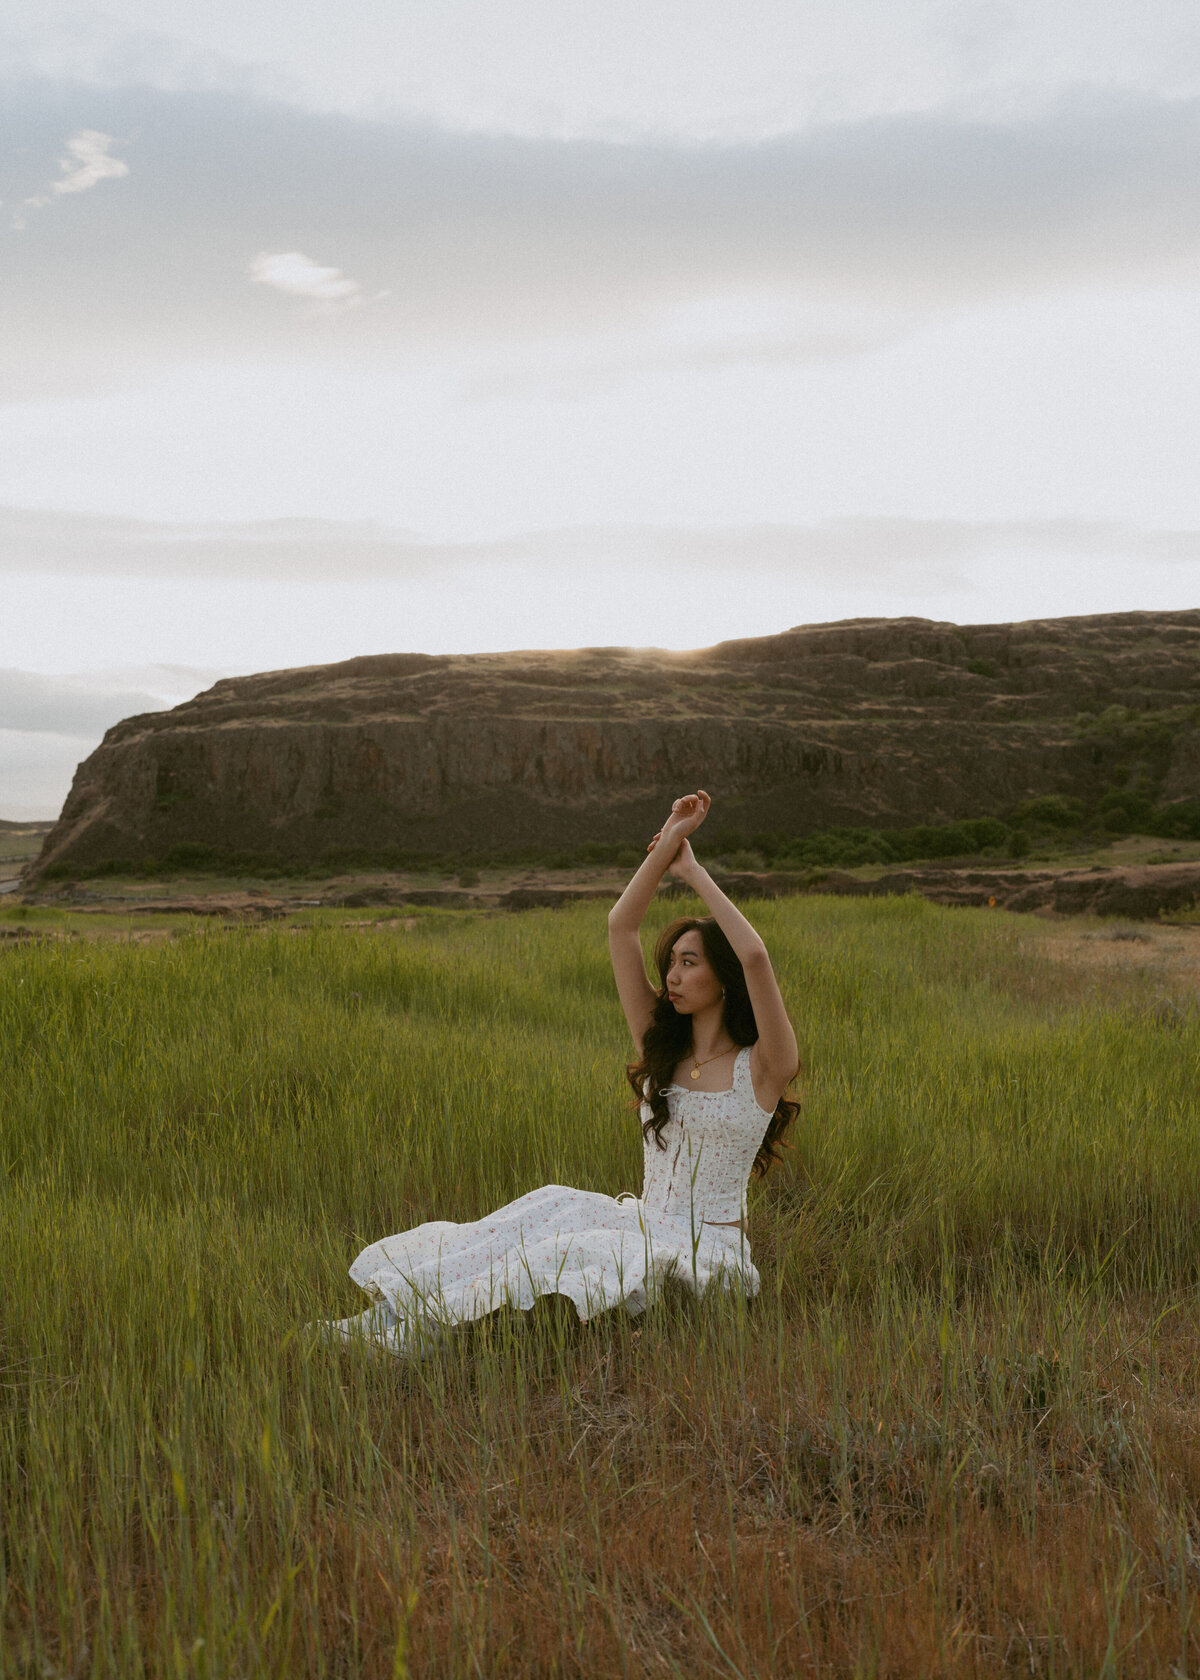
x=1040, y=1522
x=611, y=1504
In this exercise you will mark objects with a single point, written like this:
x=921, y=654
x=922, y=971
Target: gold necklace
x=696, y=1066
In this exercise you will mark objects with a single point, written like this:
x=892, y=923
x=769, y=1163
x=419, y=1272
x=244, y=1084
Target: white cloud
x=88, y=162
x=908, y=555
x=293, y=272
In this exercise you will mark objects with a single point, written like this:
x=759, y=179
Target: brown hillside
x=881, y=722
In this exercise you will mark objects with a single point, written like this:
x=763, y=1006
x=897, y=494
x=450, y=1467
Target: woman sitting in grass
x=715, y=1055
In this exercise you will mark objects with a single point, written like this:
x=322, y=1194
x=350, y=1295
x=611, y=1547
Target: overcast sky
x=388, y=325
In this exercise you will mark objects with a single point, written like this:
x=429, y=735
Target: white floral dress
x=599, y=1251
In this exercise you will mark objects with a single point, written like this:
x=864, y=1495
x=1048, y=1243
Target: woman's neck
x=710, y=1035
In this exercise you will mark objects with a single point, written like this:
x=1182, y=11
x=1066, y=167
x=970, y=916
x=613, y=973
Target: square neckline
x=692, y=1091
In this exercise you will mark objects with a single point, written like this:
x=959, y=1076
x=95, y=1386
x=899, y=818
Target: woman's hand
x=686, y=816
x=687, y=813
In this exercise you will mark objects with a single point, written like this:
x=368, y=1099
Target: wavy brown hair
x=669, y=1036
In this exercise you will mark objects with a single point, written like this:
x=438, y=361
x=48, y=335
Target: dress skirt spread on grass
x=599, y=1251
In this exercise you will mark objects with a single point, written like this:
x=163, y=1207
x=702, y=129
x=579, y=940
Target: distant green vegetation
x=189, y=857
x=849, y=847
x=960, y=1415
x=1052, y=819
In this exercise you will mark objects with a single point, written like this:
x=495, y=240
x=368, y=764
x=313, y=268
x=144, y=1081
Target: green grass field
x=957, y=1434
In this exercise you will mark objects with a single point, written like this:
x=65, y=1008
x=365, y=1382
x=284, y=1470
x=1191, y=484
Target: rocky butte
x=875, y=722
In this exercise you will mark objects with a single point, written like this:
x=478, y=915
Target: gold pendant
x=695, y=1073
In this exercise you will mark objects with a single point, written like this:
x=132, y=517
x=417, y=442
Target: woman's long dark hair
x=669, y=1036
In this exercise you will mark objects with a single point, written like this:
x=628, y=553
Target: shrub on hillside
x=850, y=848
x=1180, y=821
x=1125, y=811
x=1050, y=810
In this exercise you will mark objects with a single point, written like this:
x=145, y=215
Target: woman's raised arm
x=625, y=918
x=775, y=1059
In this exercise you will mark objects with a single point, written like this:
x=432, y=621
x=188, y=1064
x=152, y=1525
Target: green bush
x=986, y=834
x=850, y=848
x=1050, y=810
x=1125, y=811
x=744, y=860
x=1180, y=821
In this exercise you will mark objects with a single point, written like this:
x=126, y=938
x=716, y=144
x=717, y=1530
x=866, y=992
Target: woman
x=716, y=1053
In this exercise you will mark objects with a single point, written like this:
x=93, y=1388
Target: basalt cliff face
x=880, y=722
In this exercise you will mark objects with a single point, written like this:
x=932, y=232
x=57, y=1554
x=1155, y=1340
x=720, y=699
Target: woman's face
x=692, y=984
